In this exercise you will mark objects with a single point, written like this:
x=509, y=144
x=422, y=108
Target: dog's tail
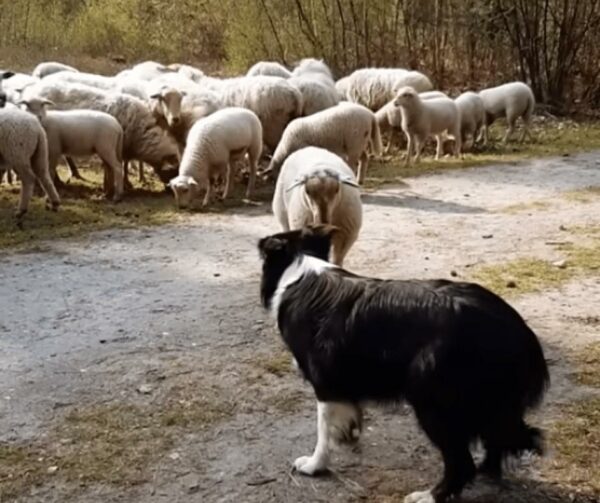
x=528, y=439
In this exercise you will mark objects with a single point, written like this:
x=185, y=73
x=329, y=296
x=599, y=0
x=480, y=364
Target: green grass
x=529, y=274
x=551, y=139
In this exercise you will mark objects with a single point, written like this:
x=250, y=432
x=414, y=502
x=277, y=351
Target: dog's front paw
x=309, y=465
x=420, y=497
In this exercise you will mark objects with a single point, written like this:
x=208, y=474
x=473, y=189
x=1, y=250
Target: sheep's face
x=405, y=97
x=184, y=189
x=168, y=105
x=36, y=106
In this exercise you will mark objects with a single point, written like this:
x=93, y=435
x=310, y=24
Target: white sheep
x=342, y=86
x=24, y=149
x=472, y=116
x=273, y=99
x=213, y=145
x=374, y=87
x=271, y=68
x=512, y=100
x=346, y=129
x=315, y=69
x=13, y=85
x=144, y=139
x=83, y=133
x=190, y=72
x=423, y=118
x=316, y=95
x=48, y=68
x=316, y=186
x=86, y=79
x=389, y=117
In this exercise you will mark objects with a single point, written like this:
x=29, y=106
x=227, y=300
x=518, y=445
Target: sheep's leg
x=419, y=145
x=114, y=178
x=483, y=135
x=44, y=178
x=458, y=142
x=73, y=169
x=252, y=177
x=206, y=199
x=126, y=183
x=409, y=147
x=439, y=151
x=227, y=187
x=362, y=167
x=108, y=181
x=509, y=131
x=27, y=186
x=525, y=132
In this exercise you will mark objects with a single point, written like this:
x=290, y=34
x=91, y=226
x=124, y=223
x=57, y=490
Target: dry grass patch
x=527, y=275
x=114, y=444
x=526, y=207
x=576, y=441
x=587, y=363
x=278, y=364
x=584, y=195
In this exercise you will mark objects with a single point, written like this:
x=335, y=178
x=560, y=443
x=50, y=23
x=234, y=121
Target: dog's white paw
x=420, y=497
x=309, y=465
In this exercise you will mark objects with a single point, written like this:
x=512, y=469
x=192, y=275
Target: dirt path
x=175, y=310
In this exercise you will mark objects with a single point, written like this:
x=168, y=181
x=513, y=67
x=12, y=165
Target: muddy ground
x=160, y=317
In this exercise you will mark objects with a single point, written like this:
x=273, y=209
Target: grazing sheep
x=83, y=133
x=86, y=79
x=512, y=100
x=274, y=100
x=24, y=148
x=316, y=186
x=48, y=68
x=389, y=117
x=346, y=129
x=374, y=87
x=315, y=69
x=144, y=139
x=472, y=116
x=316, y=96
x=422, y=118
x=271, y=68
x=214, y=143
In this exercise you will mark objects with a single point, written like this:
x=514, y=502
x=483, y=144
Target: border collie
x=460, y=355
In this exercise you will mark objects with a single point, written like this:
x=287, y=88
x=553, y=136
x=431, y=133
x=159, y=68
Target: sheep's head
x=167, y=103
x=185, y=189
x=405, y=96
x=36, y=106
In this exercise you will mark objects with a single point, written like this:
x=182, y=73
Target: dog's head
x=284, y=247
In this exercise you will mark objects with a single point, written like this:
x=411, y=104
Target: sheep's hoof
x=52, y=205
x=117, y=198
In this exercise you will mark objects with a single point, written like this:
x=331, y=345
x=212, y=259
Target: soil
x=90, y=321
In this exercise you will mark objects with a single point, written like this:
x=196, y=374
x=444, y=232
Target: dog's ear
x=316, y=240
x=269, y=245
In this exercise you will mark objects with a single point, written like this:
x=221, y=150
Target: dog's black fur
x=459, y=354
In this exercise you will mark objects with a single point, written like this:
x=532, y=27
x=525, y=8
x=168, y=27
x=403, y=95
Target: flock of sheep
x=192, y=129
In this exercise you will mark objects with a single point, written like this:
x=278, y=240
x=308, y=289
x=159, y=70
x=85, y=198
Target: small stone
x=511, y=284
x=174, y=456
x=561, y=264
x=52, y=469
x=217, y=274
x=487, y=236
x=145, y=389
x=562, y=228
x=454, y=274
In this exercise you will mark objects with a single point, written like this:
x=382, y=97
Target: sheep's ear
x=192, y=181
x=48, y=103
x=6, y=75
x=183, y=93
x=155, y=96
x=23, y=103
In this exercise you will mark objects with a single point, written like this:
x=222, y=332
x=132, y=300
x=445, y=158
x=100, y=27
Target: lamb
x=374, y=87
x=316, y=95
x=512, y=100
x=214, y=143
x=271, y=68
x=346, y=129
x=24, y=148
x=422, y=118
x=50, y=67
x=472, y=116
x=389, y=117
x=274, y=100
x=144, y=139
x=316, y=186
x=83, y=133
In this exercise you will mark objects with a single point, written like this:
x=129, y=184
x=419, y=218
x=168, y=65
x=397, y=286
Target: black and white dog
x=461, y=356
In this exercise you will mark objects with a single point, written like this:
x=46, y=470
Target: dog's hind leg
x=336, y=421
